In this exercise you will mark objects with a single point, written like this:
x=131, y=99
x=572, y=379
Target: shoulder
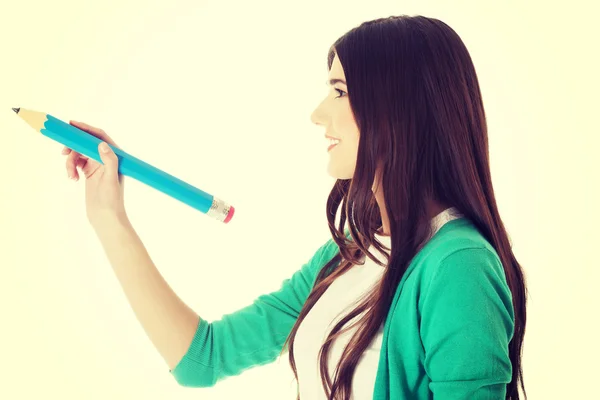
x=459, y=259
x=459, y=244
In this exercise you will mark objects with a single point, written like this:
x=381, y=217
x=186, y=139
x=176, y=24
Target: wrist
x=109, y=221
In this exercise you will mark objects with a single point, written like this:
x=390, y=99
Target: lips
x=332, y=141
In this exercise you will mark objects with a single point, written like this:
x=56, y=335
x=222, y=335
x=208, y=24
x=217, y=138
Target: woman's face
x=335, y=115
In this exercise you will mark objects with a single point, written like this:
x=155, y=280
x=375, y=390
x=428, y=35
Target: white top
x=343, y=295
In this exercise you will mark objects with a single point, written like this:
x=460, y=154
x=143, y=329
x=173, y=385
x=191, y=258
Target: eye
x=340, y=92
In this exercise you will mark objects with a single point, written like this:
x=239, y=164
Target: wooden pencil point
x=16, y=110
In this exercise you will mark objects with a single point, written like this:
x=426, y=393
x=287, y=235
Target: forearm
x=168, y=321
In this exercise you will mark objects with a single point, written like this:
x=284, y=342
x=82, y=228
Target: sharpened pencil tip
x=16, y=110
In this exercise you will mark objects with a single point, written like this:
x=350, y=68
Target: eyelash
x=340, y=92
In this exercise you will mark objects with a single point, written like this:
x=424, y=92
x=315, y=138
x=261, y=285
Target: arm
x=197, y=352
x=467, y=323
x=169, y=323
x=253, y=335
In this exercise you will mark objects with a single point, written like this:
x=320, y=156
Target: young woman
x=420, y=297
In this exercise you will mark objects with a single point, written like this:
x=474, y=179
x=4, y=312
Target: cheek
x=346, y=127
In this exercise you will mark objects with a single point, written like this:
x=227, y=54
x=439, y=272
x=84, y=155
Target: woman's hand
x=103, y=183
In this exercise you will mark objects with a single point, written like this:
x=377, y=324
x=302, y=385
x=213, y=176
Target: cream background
x=174, y=83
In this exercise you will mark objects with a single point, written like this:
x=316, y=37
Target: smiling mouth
x=332, y=145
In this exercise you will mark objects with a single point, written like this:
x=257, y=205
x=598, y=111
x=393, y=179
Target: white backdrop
x=220, y=95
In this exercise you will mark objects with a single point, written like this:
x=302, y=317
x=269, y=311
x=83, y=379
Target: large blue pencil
x=86, y=144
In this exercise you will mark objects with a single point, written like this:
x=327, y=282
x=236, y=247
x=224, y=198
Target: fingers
x=76, y=160
x=81, y=164
x=110, y=160
x=89, y=167
x=71, y=165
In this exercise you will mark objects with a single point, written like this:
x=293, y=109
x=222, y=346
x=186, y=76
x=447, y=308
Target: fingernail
x=104, y=147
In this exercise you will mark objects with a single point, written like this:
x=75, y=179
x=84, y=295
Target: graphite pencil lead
x=17, y=110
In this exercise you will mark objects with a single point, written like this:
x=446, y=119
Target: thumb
x=109, y=159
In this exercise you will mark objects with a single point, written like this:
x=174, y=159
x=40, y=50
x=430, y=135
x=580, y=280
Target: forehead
x=336, y=69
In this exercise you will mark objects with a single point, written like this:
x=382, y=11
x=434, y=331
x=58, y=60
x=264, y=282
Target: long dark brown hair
x=417, y=103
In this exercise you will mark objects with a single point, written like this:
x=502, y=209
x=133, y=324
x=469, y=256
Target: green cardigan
x=446, y=334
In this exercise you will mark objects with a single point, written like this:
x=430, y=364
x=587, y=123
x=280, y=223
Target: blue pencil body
x=86, y=144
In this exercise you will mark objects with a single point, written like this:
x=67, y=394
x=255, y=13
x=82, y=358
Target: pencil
x=87, y=144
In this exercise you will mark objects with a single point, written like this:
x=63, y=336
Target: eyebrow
x=334, y=81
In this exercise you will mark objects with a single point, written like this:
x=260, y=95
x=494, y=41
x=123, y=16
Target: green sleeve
x=467, y=321
x=253, y=335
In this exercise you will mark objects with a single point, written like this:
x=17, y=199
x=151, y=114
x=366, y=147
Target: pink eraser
x=229, y=214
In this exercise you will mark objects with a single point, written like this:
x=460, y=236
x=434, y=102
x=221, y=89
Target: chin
x=339, y=173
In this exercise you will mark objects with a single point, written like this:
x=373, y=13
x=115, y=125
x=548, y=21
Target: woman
x=425, y=272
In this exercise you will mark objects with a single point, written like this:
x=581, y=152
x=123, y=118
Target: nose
x=313, y=118
x=318, y=116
